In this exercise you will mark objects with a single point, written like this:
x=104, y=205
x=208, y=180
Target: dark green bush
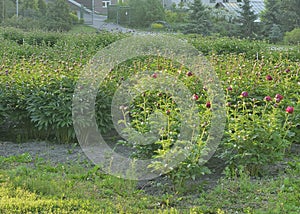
x=292, y=37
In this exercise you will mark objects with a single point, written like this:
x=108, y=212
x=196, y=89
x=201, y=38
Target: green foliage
x=39, y=71
x=58, y=16
x=289, y=15
x=247, y=18
x=37, y=91
x=199, y=19
x=25, y=23
x=7, y=9
x=144, y=12
x=269, y=16
x=157, y=26
x=275, y=34
x=31, y=185
x=285, y=14
x=33, y=38
x=292, y=37
x=176, y=16
x=37, y=14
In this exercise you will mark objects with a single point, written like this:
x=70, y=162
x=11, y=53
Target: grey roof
x=257, y=6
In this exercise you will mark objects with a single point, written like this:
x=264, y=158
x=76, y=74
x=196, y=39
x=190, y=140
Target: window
x=212, y=1
x=105, y=4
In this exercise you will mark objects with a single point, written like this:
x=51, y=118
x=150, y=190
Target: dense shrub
x=292, y=37
x=37, y=83
x=35, y=37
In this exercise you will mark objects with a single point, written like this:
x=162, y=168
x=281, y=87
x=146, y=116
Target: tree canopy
x=199, y=19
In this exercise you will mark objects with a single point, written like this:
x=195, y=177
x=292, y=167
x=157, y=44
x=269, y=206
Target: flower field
x=39, y=71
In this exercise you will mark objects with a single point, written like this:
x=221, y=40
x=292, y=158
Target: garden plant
x=38, y=76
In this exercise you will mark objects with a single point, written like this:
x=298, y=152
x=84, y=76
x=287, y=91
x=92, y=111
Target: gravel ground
x=55, y=153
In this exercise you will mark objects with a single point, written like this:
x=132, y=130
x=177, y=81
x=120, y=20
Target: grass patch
x=83, y=29
x=34, y=185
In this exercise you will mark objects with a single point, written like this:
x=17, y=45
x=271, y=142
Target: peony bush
x=37, y=80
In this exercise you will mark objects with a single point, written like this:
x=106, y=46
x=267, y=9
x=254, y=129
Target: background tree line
x=54, y=15
x=279, y=21
x=278, y=18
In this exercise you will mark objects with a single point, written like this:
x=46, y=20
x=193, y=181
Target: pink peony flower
x=195, y=97
x=269, y=77
x=278, y=97
x=154, y=75
x=289, y=109
x=229, y=88
x=189, y=74
x=208, y=105
x=244, y=94
x=268, y=98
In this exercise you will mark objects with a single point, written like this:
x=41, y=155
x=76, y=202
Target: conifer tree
x=247, y=19
x=199, y=19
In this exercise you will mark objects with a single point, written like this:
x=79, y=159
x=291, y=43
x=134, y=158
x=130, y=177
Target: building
x=212, y=3
x=234, y=7
x=100, y=6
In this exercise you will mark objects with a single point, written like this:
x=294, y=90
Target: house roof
x=257, y=6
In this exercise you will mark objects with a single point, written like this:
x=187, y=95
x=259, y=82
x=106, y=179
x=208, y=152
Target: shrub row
x=262, y=94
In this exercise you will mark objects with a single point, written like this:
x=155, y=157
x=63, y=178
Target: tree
x=275, y=34
x=269, y=16
x=58, y=17
x=7, y=9
x=144, y=12
x=292, y=37
x=289, y=14
x=199, y=19
x=28, y=8
x=42, y=6
x=247, y=19
x=283, y=13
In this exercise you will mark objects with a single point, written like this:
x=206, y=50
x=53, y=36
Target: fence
x=119, y=14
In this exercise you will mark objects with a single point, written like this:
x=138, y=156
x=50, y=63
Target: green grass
x=83, y=29
x=30, y=184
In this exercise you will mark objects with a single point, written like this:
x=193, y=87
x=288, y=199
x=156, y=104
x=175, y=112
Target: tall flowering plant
x=257, y=132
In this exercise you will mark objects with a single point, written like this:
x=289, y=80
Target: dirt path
x=55, y=153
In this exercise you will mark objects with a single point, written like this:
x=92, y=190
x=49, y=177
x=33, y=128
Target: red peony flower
x=289, y=109
x=208, y=105
x=229, y=88
x=268, y=98
x=195, y=97
x=244, y=94
x=269, y=77
x=189, y=74
x=278, y=97
x=154, y=75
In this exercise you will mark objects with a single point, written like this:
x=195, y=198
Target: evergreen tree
x=289, y=14
x=199, y=19
x=270, y=16
x=283, y=13
x=275, y=34
x=247, y=20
